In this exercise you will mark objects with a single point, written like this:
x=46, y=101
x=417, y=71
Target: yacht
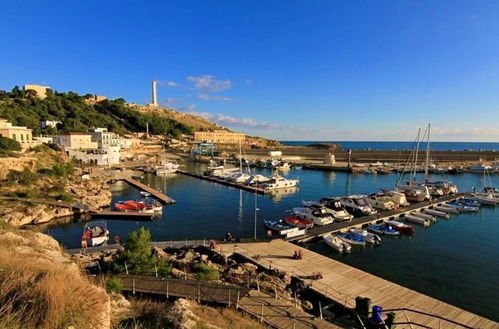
x=333, y=206
x=166, y=168
x=357, y=205
x=396, y=196
x=277, y=182
x=380, y=201
x=317, y=215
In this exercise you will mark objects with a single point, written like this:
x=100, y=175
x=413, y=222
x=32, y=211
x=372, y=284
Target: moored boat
x=351, y=239
x=383, y=229
x=417, y=220
x=436, y=213
x=447, y=209
x=284, y=229
x=429, y=217
x=367, y=236
x=302, y=223
x=401, y=227
x=336, y=243
x=94, y=234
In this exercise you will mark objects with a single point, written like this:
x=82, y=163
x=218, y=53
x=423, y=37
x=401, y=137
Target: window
x=22, y=137
x=14, y=136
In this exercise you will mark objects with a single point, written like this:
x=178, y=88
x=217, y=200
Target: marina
x=209, y=211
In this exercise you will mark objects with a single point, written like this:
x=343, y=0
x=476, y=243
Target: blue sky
x=291, y=70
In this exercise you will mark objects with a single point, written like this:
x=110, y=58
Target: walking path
x=276, y=313
x=343, y=283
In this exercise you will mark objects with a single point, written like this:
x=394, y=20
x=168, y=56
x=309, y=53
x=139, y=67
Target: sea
x=380, y=145
x=454, y=260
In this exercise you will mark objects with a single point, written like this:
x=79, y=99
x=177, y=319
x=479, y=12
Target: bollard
x=237, y=301
x=261, y=314
x=320, y=310
x=390, y=320
x=133, y=286
x=167, y=289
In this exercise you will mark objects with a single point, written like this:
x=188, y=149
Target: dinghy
x=401, y=227
x=462, y=206
x=336, y=243
x=429, y=217
x=351, y=239
x=383, y=229
x=417, y=220
x=447, y=209
x=94, y=234
x=436, y=213
x=367, y=236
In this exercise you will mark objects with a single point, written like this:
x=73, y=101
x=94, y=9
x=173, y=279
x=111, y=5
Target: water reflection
x=279, y=194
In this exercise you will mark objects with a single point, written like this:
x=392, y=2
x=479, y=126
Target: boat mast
x=427, y=164
x=413, y=178
x=240, y=158
x=406, y=164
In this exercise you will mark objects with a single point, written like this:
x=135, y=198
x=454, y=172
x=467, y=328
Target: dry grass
x=225, y=318
x=147, y=314
x=40, y=289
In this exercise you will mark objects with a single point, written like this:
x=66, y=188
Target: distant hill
x=24, y=108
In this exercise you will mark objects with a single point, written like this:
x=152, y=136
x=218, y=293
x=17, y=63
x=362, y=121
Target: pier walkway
x=223, y=182
x=342, y=283
x=277, y=313
x=317, y=231
x=156, y=194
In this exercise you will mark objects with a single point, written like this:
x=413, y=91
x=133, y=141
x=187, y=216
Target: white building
x=48, y=123
x=99, y=147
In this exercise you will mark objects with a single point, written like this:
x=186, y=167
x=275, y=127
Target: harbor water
x=455, y=260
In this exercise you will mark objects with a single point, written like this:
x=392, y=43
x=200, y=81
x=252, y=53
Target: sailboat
x=413, y=192
x=488, y=195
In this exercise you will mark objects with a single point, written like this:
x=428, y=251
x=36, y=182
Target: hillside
x=196, y=123
x=25, y=109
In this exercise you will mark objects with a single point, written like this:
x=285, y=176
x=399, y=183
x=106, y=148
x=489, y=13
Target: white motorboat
x=424, y=216
x=279, y=182
x=480, y=169
x=240, y=178
x=367, y=236
x=166, y=168
x=436, y=213
x=357, y=205
x=257, y=179
x=282, y=165
x=94, y=234
x=336, y=243
x=417, y=220
x=489, y=190
x=380, y=201
x=317, y=215
x=333, y=206
x=397, y=197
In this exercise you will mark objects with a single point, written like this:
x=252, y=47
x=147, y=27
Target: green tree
x=8, y=144
x=138, y=256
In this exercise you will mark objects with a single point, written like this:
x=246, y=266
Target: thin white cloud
x=248, y=82
x=222, y=119
x=206, y=97
x=209, y=83
x=169, y=102
x=169, y=84
x=187, y=108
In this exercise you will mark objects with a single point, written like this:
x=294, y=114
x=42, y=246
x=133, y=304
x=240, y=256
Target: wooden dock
x=224, y=182
x=156, y=194
x=342, y=283
x=362, y=222
x=123, y=215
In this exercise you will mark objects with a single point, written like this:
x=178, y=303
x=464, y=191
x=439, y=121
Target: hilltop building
x=220, y=136
x=76, y=141
x=92, y=99
x=41, y=91
x=23, y=135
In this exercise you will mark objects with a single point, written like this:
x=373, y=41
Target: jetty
x=362, y=222
x=342, y=283
x=224, y=182
x=154, y=193
x=123, y=215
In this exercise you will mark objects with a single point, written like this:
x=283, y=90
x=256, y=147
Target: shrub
x=25, y=177
x=138, y=256
x=8, y=144
x=64, y=196
x=205, y=272
x=39, y=148
x=114, y=285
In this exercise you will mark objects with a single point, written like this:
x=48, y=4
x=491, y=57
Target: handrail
x=427, y=314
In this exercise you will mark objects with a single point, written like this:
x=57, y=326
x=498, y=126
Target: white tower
x=154, y=96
